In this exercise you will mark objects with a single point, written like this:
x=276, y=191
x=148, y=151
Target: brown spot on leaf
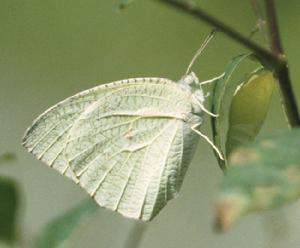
x=268, y=144
x=263, y=195
x=292, y=172
x=243, y=155
x=228, y=210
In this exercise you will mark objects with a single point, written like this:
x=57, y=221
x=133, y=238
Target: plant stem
x=194, y=10
x=273, y=30
x=288, y=98
x=281, y=72
x=273, y=60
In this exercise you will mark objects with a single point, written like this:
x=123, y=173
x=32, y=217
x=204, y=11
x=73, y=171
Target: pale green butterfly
x=127, y=143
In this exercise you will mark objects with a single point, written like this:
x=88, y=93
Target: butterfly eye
x=199, y=95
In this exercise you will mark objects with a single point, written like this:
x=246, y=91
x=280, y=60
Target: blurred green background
x=52, y=49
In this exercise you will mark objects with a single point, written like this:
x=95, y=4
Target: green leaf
x=249, y=108
x=218, y=95
x=7, y=157
x=56, y=233
x=8, y=209
x=261, y=176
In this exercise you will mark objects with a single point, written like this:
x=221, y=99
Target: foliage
x=258, y=174
x=262, y=175
x=218, y=98
x=7, y=157
x=56, y=233
x=8, y=209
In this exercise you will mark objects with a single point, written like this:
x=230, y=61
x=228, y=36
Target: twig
x=199, y=13
x=281, y=72
x=273, y=30
x=273, y=61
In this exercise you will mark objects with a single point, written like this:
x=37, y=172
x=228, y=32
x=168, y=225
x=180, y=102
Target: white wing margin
x=128, y=145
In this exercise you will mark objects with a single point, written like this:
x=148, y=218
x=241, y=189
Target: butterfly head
x=191, y=82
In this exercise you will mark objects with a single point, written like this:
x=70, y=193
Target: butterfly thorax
x=190, y=83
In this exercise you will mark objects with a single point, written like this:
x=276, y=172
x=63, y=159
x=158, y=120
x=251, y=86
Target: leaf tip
x=229, y=208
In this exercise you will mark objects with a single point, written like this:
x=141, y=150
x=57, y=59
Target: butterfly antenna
x=200, y=50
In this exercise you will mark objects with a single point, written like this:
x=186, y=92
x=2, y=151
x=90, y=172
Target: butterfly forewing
x=46, y=137
x=126, y=144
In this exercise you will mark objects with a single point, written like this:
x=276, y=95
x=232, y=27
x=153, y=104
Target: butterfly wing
x=46, y=138
x=128, y=146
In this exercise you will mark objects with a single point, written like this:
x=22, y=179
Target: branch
x=281, y=72
x=273, y=60
x=273, y=30
x=194, y=10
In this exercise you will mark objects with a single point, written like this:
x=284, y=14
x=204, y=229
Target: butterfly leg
x=194, y=128
x=207, y=111
x=209, y=81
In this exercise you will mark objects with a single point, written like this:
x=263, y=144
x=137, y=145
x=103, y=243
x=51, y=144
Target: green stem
x=272, y=60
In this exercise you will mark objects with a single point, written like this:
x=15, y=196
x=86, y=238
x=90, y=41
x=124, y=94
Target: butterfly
x=127, y=143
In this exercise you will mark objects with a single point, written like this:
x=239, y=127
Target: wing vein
x=55, y=140
x=44, y=135
x=148, y=183
x=122, y=149
x=101, y=132
x=125, y=186
x=144, y=95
